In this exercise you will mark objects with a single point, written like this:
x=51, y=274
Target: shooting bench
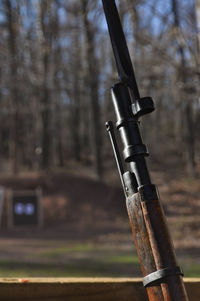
x=82, y=289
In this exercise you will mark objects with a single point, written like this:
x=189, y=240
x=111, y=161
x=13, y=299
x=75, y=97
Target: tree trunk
x=14, y=109
x=197, y=7
x=75, y=118
x=93, y=88
x=57, y=91
x=188, y=136
x=45, y=96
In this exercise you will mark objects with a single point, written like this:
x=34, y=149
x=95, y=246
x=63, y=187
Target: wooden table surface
x=82, y=289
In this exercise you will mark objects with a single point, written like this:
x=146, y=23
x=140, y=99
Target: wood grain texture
x=142, y=243
x=82, y=289
x=162, y=248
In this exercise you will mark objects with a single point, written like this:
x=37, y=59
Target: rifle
x=162, y=276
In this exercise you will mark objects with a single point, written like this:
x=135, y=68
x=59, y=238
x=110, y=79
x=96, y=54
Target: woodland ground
x=86, y=230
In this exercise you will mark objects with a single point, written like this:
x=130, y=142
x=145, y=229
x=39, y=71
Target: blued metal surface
x=143, y=106
x=120, y=49
x=148, y=192
x=134, y=149
x=110, y=130
x=130, y=183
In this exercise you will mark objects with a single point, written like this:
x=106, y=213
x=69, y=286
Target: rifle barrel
x=120, y=48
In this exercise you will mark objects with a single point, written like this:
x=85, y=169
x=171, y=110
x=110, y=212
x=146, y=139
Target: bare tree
x=45, y=39
x=92, y=68
x=197, y=6
x=13, y=26
x=187, y=105
x=57, y=67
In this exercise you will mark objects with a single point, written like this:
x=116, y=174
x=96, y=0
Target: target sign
x=25, y=208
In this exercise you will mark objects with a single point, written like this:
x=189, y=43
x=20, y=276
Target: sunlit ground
x=94, y=242
x=58, y=258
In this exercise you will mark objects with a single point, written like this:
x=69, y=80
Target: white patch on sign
x=19, y=208
x=27, y=209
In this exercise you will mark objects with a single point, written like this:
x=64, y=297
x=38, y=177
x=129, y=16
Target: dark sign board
x=25, y=208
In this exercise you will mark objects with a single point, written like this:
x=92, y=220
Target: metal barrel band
x=124, y=122
x=131, y=151
x=148, y=192
x=158, y=277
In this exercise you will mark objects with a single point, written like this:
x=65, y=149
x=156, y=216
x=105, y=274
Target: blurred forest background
x=56, y=70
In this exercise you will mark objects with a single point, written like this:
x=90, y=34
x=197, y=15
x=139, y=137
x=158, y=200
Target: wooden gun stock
x=154, y=247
